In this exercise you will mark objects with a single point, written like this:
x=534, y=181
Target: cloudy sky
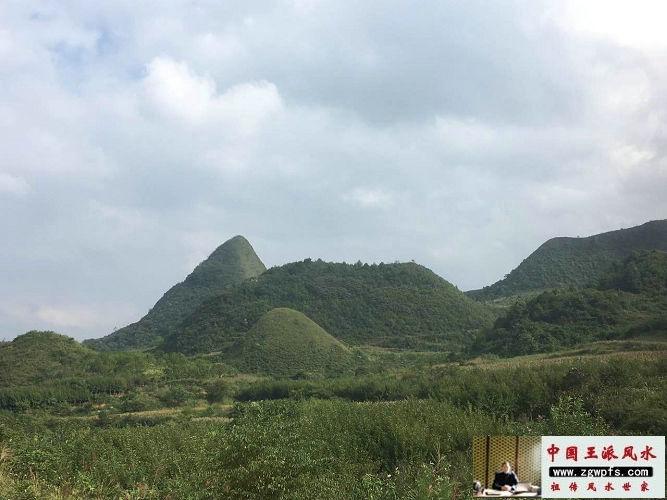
x=135, y=137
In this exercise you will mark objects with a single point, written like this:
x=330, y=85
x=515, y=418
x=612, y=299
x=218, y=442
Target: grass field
x=401, y=429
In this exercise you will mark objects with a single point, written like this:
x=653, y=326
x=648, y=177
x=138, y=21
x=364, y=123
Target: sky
x=136, y=137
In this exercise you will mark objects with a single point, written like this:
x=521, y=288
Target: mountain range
x=400, y=305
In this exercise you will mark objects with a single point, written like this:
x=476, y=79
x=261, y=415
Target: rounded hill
x=286, y=342
x=35, y=357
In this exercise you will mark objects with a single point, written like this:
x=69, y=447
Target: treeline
x=73, y=391
x=627, y=392
x=38, y=358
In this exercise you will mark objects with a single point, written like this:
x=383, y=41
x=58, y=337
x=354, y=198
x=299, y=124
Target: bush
x=569, y=418
x=177, y=396
x=138, y=402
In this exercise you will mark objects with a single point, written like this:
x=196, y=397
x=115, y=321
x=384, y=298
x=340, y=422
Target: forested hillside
x=629, y=300
x=392, y=305
x=562, y=262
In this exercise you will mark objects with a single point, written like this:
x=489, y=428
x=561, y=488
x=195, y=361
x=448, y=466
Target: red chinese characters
x=646, y=454
x=628, y=452
x=553, y=450
x=608, y=453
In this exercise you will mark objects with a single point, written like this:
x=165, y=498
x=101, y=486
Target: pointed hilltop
x=402, y=305
x=579, y=262
x=286, y=342
x=231, y=263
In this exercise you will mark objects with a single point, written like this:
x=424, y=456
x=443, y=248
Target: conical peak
x=236, y=240
x=234, y=260
x=233, y=247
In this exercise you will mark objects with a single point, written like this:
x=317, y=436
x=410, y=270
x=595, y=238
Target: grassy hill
x=285, y=342
x=232, y=262
x=36, y=357
x=629, y=301
x=392, y=305
x=564, y=262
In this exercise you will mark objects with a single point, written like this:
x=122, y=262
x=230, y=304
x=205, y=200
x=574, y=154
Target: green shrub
x=176, y=396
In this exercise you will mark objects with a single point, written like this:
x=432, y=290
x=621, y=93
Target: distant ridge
x=575, y=261
x=286, y=342
x=232, y=262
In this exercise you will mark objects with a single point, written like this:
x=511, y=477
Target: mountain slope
x=630, y=301
x=286, y=342
x=232, y=262
x=391, y=305
x=575, y=261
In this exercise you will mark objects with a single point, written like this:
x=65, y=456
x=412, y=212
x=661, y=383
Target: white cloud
x=639, y=23
x=248, y=105
x=175, y=90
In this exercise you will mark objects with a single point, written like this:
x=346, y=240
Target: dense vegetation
x=285, y=342
x=630, y=300
x=297, y=450
x=642, y=272
x=393, y=305
x=232, y=262
x=562, y=262
x=36, y=357
x=47, y=370
x=398, y=434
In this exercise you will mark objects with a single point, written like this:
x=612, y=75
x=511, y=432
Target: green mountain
x=37, y=357
x=629, y=301
x=562, y=262
x=232, y=262
x=392, y=305
x=286, y=342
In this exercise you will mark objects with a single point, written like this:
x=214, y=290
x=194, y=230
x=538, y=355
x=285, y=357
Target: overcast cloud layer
x=138, y=136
